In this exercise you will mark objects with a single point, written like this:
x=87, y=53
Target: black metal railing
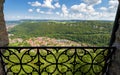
x=56, y=60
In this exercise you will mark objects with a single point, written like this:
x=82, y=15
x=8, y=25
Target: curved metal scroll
x=56, y=60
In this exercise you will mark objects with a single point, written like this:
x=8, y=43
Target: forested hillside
x=96, y=33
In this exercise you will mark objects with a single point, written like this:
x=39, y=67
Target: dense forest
x=96, y=33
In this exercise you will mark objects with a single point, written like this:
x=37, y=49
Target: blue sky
x=60, y=9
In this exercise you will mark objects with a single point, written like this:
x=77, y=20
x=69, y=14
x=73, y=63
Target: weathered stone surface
x=115, y=66
x=3, y=33
x=1, y=69
x=3, y=41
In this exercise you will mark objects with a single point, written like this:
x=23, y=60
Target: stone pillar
x=115, y=65
x=3, y=33
x=114, y=68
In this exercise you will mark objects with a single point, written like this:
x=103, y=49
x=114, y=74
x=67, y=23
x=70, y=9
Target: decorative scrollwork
x=56, y=60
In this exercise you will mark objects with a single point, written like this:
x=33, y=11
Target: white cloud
x=84, y=8
x=113, y=4
x=110, y=11
x=76, y=16
x=49, y=13
x=57, y=13
x=90, y=9
x=42, y=12
x=36, y=3
x=103, y=8
x=87, y=12
x=30, y=10
x=57, y=5
x=38, y=10
x=92, y=2
x=48, y=4
x=18, y=17
x=106, y=16
x=79, y=8
x=65, y=10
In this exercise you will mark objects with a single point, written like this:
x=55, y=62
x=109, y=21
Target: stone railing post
x=3, y=32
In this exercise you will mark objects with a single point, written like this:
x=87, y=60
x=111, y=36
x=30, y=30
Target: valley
x=90, y=33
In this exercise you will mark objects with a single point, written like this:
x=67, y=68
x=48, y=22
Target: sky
x=60, y=9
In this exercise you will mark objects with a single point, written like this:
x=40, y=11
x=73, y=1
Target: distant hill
x=91, y=32
x=8, y=23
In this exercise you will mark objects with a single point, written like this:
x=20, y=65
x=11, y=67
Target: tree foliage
x=92, y=32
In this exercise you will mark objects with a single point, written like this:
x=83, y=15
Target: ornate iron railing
x=56, y=60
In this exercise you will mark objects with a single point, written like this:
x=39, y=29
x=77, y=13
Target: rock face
x=115, y=66
x=3, y=32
